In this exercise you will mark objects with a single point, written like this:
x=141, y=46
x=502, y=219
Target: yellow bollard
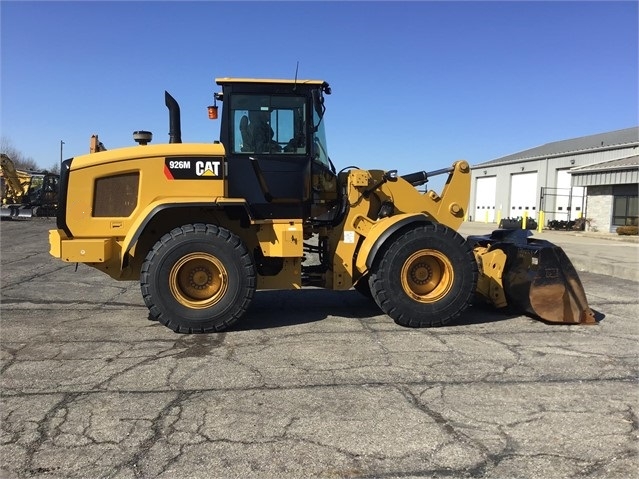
x=524, y=220
x=486, y=217
x=498, y=217
x=540, y=224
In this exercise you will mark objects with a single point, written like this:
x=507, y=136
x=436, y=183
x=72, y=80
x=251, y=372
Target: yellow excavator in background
x=205, y=225
x=25, y=193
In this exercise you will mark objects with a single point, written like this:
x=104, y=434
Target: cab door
x=268, y=153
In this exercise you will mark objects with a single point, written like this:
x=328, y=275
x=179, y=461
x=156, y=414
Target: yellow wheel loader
x=205, y=225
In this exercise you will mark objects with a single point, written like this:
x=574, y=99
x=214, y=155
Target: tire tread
x=247, y=267
x=391, y=305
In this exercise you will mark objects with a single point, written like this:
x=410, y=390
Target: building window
x=625, y=211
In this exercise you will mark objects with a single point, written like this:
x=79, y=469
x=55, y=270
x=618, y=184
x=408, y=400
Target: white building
x=594, y=176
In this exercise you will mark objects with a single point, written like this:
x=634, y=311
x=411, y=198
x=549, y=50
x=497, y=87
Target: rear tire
x=198, y=279
x=425, y=277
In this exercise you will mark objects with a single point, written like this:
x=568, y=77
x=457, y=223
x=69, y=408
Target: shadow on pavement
x=282, y=308
x=276, y=309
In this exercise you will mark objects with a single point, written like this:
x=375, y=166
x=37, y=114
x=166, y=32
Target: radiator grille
x=116, y=196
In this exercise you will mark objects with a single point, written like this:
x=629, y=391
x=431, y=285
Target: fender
x=381, y=232
x=156, y=207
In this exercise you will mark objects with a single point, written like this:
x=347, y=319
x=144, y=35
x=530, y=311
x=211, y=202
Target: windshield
x=320, y=152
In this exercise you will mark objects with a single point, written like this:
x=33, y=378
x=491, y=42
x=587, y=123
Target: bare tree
x=20, y=161
x=55, y=168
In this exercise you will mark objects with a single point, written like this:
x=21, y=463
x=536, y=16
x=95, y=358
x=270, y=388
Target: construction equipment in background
x=25, y=193
x=95, y=145
x=205, y=225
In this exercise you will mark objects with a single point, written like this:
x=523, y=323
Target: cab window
x=268, y=124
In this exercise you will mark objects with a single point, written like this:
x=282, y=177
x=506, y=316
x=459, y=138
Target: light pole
x=61, y=143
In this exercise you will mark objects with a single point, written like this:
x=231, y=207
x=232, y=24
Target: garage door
x=523, y=195
x=486, y=190
x=569, y=200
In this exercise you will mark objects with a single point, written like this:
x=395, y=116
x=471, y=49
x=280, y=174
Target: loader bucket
x=15, y=212
x=538, y=279
x=25, y=213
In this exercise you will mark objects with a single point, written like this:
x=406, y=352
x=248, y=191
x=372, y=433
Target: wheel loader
x=202, y=226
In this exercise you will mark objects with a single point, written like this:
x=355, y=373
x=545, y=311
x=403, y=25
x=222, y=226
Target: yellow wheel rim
x=198, y=280
x=427, y=276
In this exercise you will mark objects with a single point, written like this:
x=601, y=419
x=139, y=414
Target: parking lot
x=311, y=383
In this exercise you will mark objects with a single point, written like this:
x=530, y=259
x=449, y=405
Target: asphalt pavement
x=310, y=383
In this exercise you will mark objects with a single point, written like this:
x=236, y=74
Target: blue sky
x=416, y=85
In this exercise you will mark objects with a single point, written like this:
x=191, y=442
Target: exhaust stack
x=175, y=131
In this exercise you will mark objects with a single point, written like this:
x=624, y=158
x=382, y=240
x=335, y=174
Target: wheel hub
x=420, y=273
x=427, y=276
x=198, y=280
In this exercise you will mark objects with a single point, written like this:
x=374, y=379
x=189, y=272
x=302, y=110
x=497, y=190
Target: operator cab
x=275, y=142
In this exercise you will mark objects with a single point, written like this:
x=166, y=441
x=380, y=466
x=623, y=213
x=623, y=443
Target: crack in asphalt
x=631, y=380
x=163, y=427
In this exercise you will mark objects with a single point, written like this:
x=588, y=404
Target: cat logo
x=194, y=168
x=207, y=168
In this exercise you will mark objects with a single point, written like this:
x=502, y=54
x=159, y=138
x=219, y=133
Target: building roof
x=629, y=162
x=622, y=171
x=600, y=141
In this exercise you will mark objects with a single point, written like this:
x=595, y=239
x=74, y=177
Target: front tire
x=198, y=279
x=425, y=277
